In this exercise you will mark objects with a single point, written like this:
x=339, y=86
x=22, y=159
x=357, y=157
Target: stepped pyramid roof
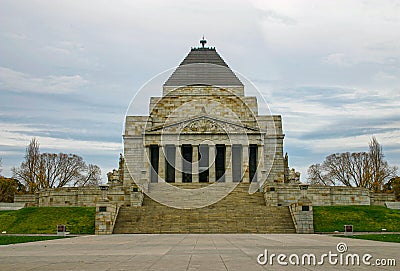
x=203, y=66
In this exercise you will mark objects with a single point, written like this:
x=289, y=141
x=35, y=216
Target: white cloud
x=12, y=80
x=384, y=76
x=18, y=136
x=357, y=28
x=338, y=59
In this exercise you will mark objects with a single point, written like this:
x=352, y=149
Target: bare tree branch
x=49, y=170
x=361, y=169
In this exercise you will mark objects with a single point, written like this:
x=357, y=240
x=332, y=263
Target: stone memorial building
x=204, y=129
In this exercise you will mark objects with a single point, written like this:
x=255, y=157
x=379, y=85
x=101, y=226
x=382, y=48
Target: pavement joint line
x=190, y=259
x=172, y=247
x=226, y=268
x=239, y=249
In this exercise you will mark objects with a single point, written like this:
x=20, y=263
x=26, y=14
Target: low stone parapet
x=380, y=199
x=277, y=194
x=29, y=200
x=393, y=205
x=106, y=214
x=6, y=206
x=302, y=215
x=136, y=198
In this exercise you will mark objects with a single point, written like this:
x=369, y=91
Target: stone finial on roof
x=203, y=42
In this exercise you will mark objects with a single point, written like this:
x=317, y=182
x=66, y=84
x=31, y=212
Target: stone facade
x=197, y=114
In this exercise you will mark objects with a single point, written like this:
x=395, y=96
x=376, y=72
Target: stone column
x=245, y=164
x=145, y=177
x=228, y=163
x=178, y=164
x=195, y=163
x=211, y=164
x=146, y=174
x=260, y=163
x=161, y=164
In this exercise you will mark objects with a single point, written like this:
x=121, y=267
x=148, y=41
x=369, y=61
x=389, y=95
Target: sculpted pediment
x=203, y=125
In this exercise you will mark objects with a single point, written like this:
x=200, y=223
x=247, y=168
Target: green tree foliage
x=393, y=186
x=9, y=187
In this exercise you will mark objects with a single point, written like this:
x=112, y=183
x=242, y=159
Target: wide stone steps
x=239, y=212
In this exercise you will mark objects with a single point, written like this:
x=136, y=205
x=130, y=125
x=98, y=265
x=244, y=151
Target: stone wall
x=381, y=198
x=106, y=214
x=393, y=205
x=286, y=194
x=8, y=206
x=302, y=215
x=69, y=196
x=29, y=200
x=80, y=196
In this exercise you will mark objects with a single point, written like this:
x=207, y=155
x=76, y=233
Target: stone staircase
x=238, y=212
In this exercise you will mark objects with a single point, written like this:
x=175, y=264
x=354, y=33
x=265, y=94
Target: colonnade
x=204, y=163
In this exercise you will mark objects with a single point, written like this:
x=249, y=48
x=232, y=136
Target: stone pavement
x=187, y=252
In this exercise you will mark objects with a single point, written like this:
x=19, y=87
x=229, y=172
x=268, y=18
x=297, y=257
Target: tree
x=1, y=164
x=50, y=170
x=349, y=169
x=380, y=169
x=28, y=171
x=361, y=169
x=316, y=176
x=8, y=188
x=58, y=170
x=393, y=186
x=92, y=176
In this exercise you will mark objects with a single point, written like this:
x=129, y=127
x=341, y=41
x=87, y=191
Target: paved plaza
x=188, y=252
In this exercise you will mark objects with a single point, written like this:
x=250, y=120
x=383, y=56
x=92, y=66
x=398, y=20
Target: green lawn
x=379, y=237
x=363, y=218
x=79, y=220
x=9, y=239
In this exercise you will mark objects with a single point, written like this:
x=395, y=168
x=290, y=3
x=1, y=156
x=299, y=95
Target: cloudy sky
x=68, y=69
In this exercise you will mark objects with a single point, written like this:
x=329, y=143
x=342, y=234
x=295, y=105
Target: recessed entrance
x=253, y=162
x=170, y=163
x=220, y=163
x=187, y=151
x=154, y=163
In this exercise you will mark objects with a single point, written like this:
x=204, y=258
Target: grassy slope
x=379, y=237
x=363, y=218
x=79, y=220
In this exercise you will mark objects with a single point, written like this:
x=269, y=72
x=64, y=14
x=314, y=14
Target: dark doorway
x=154, y=163
x=170, y=163
x=220, y=163
x=237, y=163
x=203, y=163
x=187, y=151
x=253, y=149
